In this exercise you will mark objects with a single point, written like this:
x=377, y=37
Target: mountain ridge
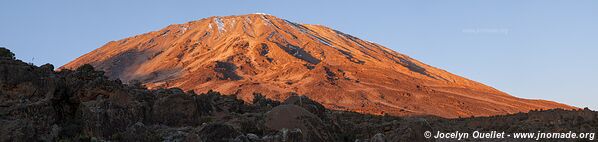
x=261, y=53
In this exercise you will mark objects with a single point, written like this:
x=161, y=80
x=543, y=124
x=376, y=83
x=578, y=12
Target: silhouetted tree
x=5, y=53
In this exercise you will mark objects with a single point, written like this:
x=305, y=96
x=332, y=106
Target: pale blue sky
x=543, y=49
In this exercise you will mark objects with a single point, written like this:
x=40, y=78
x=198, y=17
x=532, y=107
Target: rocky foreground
x=39, y=104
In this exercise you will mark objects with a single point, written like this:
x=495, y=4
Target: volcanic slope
x=260, y=53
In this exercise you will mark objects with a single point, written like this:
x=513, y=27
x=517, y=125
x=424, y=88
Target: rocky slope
x=260, y=53
x=39, y=104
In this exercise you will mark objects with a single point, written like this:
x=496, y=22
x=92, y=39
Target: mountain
x=260, y=53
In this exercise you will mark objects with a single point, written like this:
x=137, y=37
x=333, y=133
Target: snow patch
x=321, y=40
x=220, y=24
x=234, y=22
x=261, y=13
x=325, y=42
x=296, y=26
x=184, y=29
x=165, y=33
x=303, y=30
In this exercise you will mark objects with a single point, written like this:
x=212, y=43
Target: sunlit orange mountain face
x=259, y=53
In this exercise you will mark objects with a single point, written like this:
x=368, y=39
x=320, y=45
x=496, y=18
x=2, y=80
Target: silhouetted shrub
x=86, y=68
x=5, y=53
x=137, y=84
